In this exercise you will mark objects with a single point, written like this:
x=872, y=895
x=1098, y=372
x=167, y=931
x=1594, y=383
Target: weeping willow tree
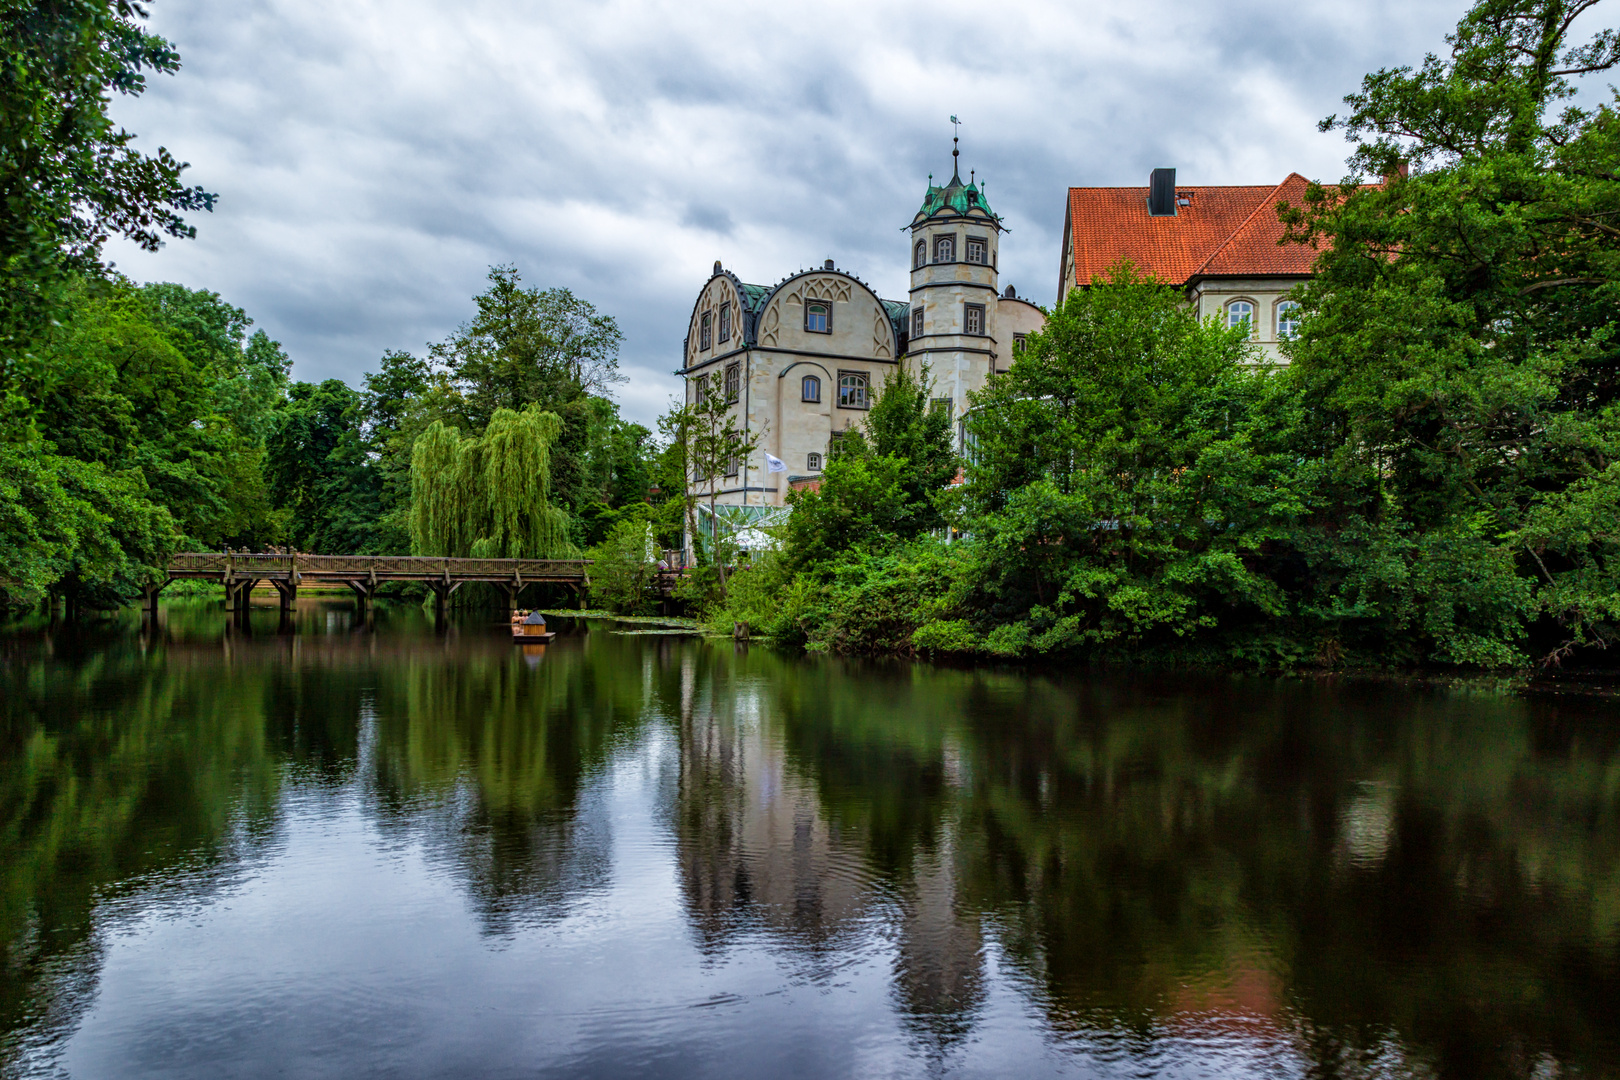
x=489, y=496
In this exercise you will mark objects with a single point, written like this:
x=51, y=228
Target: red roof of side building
x=1221, y=232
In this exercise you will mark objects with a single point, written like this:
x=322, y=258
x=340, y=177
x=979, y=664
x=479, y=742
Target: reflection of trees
x=1349, y=862
x=112, y=772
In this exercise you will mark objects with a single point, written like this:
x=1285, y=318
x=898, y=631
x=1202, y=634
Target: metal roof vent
x=1162, y=193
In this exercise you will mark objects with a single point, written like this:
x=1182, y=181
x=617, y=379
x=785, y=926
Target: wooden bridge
x=241, y=572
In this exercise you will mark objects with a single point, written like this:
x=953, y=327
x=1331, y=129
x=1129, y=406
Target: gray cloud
x=374, y=159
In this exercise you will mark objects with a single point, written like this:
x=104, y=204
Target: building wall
x=1210, y=297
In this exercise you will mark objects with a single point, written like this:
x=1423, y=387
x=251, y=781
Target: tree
x=1459, y=359
x=1123, y=483
x=716, y=449
x=69, y=177
x=489, y=496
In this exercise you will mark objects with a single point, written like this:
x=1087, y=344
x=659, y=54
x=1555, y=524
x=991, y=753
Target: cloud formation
x=374, y=159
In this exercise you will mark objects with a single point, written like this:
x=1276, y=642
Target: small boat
x=529, y=628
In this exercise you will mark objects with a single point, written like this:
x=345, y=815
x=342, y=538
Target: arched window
x=945, y=249
x=706, y=330
x=725, y=322
x=1240, y=312
x=818, y=317
x=852, y=390
x=1287, y=320
x=810, y=388
x=920, y=256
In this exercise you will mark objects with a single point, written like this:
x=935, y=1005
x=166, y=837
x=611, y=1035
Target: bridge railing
x=418, y=567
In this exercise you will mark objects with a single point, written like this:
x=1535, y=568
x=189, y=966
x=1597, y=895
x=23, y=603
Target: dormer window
x=917, y=321
x=810, y=389
x=945, y=249
x=919, y=257
x=976, y=249
x=725, y=322
x=706, y=330
x=818, y=317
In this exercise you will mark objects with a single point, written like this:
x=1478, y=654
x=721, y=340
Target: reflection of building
x=1220, y=244
x=803, y=360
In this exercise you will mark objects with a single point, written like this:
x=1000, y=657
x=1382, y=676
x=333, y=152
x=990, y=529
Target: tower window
x=810, y=388
x=973, y=318
x=1240, y=312
x=812, y=461
x=852, y=389
x=818, y=317
x=725, y=322
x=706, y=330
x=733, y=382
x=976, y=249
x=1020, y=342
x=1287, y=320
x=945, y=249
x=919, y=257
x=917, y=321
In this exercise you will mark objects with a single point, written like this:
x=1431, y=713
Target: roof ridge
x=1235, y=233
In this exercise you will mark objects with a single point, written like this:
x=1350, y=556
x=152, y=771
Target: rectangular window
x=852, y=390
x=818, y=317
x=733, y=382
x=725, y=322
x=702, y=392
x=917, y=321
x=941, y=403
x=706, y=330
x=976, y=249
x=973, y=318
x=812, y=462
x=1019, y=342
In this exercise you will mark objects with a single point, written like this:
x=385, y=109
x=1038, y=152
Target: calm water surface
x=340, y=853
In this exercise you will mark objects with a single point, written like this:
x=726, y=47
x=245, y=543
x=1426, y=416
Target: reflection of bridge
x=241, y=572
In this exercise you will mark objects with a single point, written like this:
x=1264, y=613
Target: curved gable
x=861, y=325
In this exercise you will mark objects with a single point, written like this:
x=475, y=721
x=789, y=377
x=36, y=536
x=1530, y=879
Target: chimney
x=828, y=265
x=1162, y=193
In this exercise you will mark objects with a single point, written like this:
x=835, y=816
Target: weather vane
x=956, y=134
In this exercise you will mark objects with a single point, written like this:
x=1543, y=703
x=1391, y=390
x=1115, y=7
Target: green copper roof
x=955, y=196
x=754, y=295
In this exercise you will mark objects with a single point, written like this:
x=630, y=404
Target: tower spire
x=956, y=131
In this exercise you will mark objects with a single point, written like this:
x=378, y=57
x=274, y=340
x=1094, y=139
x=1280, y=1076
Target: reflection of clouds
x=939, y=972
x=1366, y=827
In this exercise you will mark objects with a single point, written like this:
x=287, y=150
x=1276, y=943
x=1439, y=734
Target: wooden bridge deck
x=240, y=572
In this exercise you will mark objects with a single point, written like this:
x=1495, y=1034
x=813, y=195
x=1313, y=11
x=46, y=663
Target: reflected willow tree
x=489, y=496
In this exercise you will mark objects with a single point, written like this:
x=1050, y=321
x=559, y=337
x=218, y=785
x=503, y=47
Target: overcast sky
x=373, y=159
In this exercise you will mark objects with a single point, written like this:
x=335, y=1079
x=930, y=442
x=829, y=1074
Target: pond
x=322, y=850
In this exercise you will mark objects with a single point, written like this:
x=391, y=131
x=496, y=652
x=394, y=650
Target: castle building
x=803, y=360
x=1219, y=244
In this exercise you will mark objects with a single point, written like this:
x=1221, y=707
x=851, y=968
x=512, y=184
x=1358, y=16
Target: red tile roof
x=1223, y=231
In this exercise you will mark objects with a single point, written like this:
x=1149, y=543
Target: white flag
x=774, y=463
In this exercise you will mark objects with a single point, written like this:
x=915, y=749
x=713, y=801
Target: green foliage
x=69, y=176
x=621, y=572
x=489, y=496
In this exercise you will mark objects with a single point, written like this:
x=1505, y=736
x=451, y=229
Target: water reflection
x=930, y=870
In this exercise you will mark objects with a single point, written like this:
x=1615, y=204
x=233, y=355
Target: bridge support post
x=149, y=597
x=288, y=593
x=441, y=596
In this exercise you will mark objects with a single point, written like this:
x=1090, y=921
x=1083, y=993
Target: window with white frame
x=812, y=461
x=706, y=330
x=725, y=322
x=973, y=318
x=818, y=317
x=1240, y=312
x=852, y=389
x=917, y=321
x=809, y=388
x=945, y=249
x=976, y=249
x=1287, y=320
